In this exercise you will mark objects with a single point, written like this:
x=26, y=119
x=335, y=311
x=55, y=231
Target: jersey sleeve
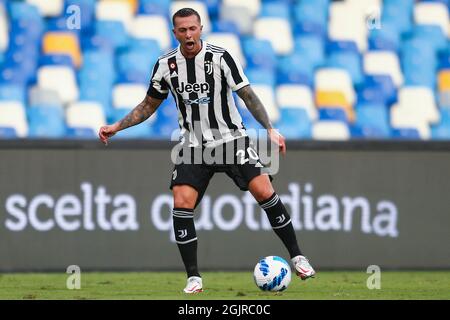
x=233, y=72
x=158, y=87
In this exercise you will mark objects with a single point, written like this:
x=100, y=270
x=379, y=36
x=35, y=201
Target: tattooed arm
x=139, y=114
x=258, y=111
x=255, y=106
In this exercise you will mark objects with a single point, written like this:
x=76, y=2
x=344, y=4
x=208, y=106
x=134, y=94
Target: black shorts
x=242, y=166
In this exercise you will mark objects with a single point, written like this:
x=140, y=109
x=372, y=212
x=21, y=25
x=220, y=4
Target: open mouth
x=190, y=45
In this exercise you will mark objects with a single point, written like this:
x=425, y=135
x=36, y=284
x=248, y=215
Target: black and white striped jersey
x=202, y=87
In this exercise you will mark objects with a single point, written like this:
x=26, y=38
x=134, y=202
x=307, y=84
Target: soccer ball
x=272, y=273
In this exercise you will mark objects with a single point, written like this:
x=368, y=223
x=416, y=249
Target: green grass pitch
x=331, y=285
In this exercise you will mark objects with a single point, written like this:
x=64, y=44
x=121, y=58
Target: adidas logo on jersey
x=193, y=88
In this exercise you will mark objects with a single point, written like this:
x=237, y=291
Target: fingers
x=282, y=144
x=283, y=147
x=279, y=140
x=103, y=135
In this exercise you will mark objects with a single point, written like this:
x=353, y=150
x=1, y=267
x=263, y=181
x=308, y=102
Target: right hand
x=106, y=132
x=278, y=139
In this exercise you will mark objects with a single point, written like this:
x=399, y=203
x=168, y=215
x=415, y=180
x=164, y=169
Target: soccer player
x=202, y=77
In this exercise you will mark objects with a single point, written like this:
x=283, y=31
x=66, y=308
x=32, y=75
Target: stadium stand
x=338, y=70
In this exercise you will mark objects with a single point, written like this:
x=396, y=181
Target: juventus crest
x=209, y=67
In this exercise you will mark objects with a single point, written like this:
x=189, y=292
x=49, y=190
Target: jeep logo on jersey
x=196, y=87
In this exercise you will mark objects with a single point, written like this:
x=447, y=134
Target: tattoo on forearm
x=140, y=113
x=255, y=106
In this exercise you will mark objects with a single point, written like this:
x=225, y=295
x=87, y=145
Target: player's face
x=187, y=31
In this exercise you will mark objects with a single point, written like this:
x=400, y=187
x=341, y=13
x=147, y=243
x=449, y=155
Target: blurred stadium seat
x=13, y=115
x=330, y=130
x=85, y=115
x=384, y=73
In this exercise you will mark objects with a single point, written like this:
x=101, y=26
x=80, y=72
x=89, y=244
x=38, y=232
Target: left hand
x=278, y=139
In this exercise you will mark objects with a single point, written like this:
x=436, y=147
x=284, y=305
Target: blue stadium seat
x=350, y=61
x=56, y=59
x=98, y=59
x=366, y=132
x=341, y=46
x=275, y=9
x=90, y=78
x=312, y=46
x=443, y=59
x=261, y=76
x=312, y=11
x=419, y=62
x=7, y=133
x=332, y=114
x=46, y=122
x=100, y=95
x=12, y=75
x=441, y=131
x=419, y=77
x=379, y=89
x=399, y=13
x=213, y=7
x=114, y=31
x=294, y=78
x=385, y=38
x=308, y=27
x=225, y=26
x=60, y=24
x=259, y=53
x=21, y=37
x=405, y=134
x=134, y=76
x=373, y=116
x=144, y=45
x=371, y=94
x=20, y=60
x=431, y=34
x=12, y=92
x=98, y=65
x=22, y=10
x=167, y=119
x=294, y=123
x=158, y=7
x=91, y=41
x=420, y=48
x=80, y=133
x=136, y=61
x=295, y=68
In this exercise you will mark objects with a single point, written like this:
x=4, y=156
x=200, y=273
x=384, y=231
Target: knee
x=183, y=201
x=184, y=198
x=263, y=194
x=261, y=188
